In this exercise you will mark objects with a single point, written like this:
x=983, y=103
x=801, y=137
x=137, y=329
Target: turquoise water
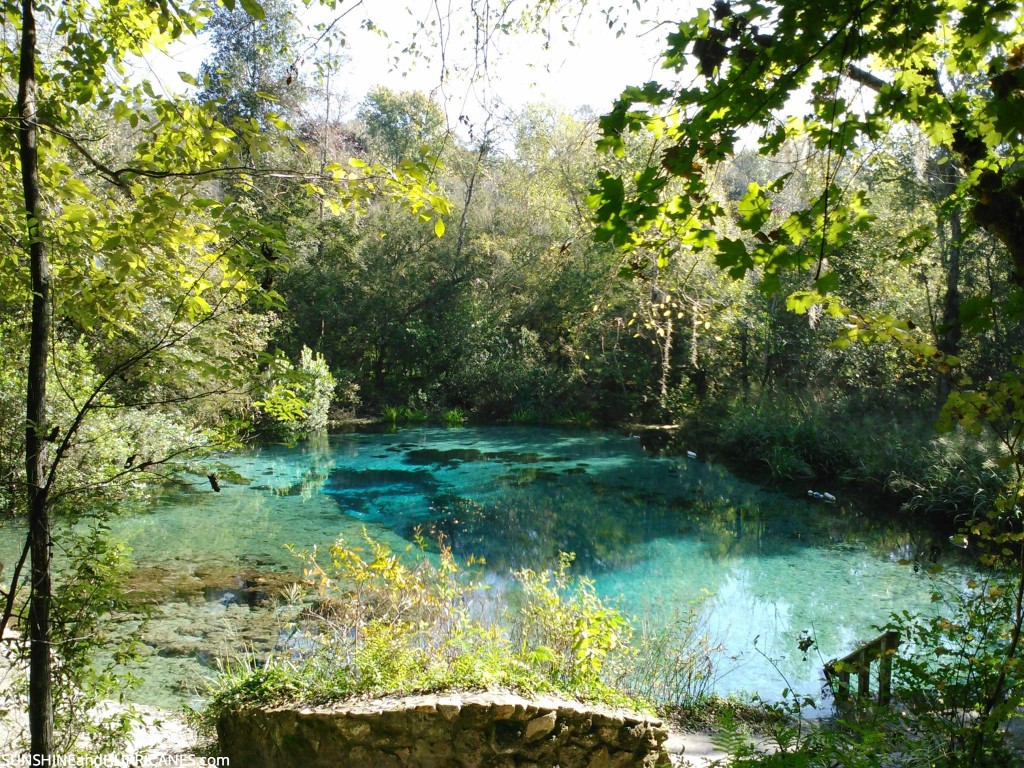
x=655, y=534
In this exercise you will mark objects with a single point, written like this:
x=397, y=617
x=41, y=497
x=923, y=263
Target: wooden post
x=890, y=641
x=839, y=672
x=843, y=693
x=863, y=673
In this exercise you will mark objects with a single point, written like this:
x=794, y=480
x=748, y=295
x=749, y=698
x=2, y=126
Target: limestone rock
x=540, y=727
x=480, y=730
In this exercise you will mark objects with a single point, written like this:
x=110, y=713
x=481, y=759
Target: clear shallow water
x=654, y=533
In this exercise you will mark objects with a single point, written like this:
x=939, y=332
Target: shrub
x=316, y=388
x=563, y=627
x=297, y=400
x=380, y=623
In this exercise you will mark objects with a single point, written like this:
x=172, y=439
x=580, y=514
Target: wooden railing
x=858, y=663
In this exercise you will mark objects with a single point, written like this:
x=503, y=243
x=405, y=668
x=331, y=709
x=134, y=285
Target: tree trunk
x=950, y=248
x=744, y=370
x=949, y=340
x=40, y=706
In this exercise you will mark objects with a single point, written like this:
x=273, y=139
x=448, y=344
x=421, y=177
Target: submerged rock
x=225, y=584
x=203, y=614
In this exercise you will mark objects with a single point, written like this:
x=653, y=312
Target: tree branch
x=13, y=591
x=119, y=176
x=865, y=78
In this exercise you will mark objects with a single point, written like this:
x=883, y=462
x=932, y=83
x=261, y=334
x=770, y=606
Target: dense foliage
x=946, y=76
x=383, y=622
x=184, y=269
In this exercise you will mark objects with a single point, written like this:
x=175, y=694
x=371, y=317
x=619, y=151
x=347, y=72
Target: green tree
x=866, y=68
x=123, y=240
x=401, y=124
x=747, y=78
x=108, y=252
x=253, y=73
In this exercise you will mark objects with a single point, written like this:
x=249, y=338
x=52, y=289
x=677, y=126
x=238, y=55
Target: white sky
x=586, y=67
x=589, y=66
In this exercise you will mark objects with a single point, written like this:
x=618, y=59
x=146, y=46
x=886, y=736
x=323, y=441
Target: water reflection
x=655, y=534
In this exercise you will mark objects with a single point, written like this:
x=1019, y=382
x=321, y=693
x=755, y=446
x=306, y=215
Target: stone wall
x=486, y=730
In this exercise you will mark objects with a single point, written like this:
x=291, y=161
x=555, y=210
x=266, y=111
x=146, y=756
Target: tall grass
x=383, y=623
x=956, y=477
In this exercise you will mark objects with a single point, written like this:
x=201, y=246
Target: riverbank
x=893, y=461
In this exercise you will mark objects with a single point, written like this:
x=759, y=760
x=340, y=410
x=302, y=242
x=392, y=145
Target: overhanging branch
x=865, y=78
x=120, y=176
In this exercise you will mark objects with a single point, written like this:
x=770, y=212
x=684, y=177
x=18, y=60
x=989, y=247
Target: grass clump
x=955, y=478
x=382, y=623
x=404, y=414
x=710, y=712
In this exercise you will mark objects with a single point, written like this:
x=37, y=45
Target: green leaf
x=733, y=256
x=254, y=9
x=827, y=282
x=544, y=654
x=802, y=301
x=754, y=209
x=439, y=227
x=976, y=312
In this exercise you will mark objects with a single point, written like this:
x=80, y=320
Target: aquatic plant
x=404, y=414
x=580, y=419
x=524, y=416
x=453, y=417
x=784, y=462
x=392, y=413
x=415, y=415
